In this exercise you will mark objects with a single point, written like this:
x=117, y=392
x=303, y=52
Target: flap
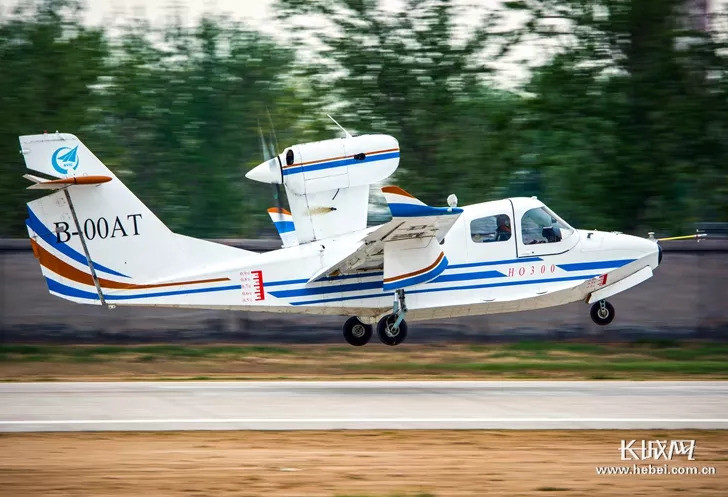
x=407, y=247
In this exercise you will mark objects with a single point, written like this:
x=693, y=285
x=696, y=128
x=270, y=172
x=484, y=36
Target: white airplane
x=97, y=243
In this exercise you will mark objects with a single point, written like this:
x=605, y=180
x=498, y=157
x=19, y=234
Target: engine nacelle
x=331, y=164
x=327, y=182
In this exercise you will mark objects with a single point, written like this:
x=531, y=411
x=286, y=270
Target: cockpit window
x=491, y=229
x=540, y=225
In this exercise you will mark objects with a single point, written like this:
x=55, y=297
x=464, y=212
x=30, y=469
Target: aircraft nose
x=650, y=249
x=659, y=254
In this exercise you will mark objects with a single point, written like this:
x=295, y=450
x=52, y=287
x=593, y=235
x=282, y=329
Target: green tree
x=411, y=74
x=185, y=104
x=50, y=66
x=629, y=118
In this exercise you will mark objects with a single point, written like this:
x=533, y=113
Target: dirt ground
x=340, y=463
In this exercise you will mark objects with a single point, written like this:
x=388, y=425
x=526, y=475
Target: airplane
x=98, y=244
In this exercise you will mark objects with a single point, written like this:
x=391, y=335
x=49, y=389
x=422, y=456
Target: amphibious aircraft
x=97, y=243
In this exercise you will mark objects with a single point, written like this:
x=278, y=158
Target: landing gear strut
x=602, y=313
x=356, y=332
x=392, y=328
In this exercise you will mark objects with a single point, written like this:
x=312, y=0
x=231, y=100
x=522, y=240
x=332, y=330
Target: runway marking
x=365, y=420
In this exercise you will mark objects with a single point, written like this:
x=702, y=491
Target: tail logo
x=65, y=159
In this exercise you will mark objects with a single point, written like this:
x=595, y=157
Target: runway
x=391, y=405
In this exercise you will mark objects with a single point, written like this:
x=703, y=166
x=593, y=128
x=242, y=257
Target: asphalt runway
x=324, y=405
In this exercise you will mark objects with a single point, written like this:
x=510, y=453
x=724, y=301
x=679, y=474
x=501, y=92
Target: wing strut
x=85, y=248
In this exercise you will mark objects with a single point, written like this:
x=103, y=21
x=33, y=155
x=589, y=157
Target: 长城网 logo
x=65, y=159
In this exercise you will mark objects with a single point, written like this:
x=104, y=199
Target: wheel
x=356, y=332
x=389, y=335
x=602, y=315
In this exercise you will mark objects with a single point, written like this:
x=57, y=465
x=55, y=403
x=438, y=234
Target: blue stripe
x=327, y=278
x=583, y=266
x=468, y=276
x=439, y=279
x=446, y=289
x=174, y=292
x=507, y=283
x=340, y=299
x=50, y=238
x=284, y=226
x=495, y=263
x=54, y=286
x=415, y=210
x=420, y=278
x=319, y=290
x=338, y=163
x=375, y=284
x=57, y=287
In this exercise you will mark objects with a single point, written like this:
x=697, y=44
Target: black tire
x=357, y=333
x=599, y=317
x=386, y=335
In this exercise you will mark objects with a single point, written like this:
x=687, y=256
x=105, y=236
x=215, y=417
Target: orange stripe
x=276, y=210
x=415, y=273
x=339, y=158
x=78, y=180
x=396, y=190
x=50, y=261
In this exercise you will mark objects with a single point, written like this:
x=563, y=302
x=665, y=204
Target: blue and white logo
x=65, y=159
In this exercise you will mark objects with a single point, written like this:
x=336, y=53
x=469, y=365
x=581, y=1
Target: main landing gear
x=356, y=332
x=391, y=329
x=602, y=313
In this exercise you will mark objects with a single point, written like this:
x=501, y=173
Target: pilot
x=503, y=232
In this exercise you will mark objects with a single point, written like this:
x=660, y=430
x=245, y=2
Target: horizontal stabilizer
x=56, y=184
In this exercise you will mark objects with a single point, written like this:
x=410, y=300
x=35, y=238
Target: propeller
x=269, y=148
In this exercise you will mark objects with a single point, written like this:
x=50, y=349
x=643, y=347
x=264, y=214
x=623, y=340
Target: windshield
x=541, y=225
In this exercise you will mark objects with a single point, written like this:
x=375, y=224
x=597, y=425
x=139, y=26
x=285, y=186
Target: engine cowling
x=327, y=182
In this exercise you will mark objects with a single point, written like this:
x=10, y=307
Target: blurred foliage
x=624, y=127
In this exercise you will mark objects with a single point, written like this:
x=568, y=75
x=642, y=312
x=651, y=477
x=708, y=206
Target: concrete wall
x=687, y=297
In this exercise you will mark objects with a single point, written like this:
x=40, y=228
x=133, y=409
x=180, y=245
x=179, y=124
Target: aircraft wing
x=407, y=248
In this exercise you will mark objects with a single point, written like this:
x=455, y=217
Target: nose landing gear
x=602, y=313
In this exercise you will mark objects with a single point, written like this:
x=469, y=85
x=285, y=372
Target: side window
x=541, y=226
x=289, y=157
x=491, y=229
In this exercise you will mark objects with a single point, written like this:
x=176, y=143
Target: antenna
x=348, y=135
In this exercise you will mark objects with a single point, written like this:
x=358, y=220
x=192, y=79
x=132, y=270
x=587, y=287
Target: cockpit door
x=539, y=231
x=489, y=232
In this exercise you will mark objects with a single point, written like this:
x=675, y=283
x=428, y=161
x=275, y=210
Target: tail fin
x=283, y=221
x=97, y=241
